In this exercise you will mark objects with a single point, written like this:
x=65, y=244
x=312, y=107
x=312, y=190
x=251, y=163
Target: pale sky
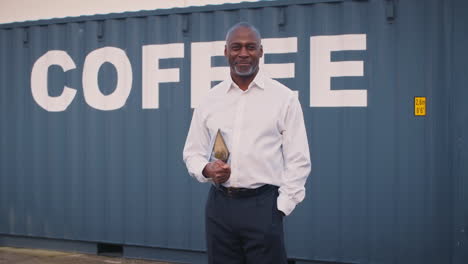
x=24, y=10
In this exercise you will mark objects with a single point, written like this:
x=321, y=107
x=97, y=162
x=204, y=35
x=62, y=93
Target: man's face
x=243, y=51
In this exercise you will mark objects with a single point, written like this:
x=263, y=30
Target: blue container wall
x=386, y=186
x=459, y=129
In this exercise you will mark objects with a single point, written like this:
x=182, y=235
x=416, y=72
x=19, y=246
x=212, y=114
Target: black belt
x=243, y=192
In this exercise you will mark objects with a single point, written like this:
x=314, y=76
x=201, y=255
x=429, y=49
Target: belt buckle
x=231, y=191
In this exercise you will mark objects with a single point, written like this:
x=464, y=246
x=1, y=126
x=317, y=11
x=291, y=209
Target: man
x=262, y=124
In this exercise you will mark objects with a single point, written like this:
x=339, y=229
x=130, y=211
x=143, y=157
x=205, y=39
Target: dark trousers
x=244, y=230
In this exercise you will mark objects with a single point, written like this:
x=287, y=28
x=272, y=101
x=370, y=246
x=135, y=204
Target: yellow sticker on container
x=420, y=106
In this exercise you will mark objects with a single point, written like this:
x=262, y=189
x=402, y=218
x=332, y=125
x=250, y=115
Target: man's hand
x=218, y=171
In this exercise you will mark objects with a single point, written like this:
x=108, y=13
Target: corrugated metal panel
x=386, y=186
x=459, y=129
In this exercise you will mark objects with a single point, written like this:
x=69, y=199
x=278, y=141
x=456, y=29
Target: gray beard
x=252, y=70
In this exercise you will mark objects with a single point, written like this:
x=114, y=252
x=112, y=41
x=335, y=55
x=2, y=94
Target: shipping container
x=95, y=110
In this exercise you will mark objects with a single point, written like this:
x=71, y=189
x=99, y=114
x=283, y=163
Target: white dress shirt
x=263, y=128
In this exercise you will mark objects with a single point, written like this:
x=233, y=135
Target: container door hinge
x=282, y=17
x=390, y=10
x=185, y=24
x=25, y=36
x=100, y=30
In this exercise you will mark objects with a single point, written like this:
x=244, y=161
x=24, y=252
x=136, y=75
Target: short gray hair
x=244, y=25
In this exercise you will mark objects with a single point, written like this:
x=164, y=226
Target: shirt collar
x=258, y=81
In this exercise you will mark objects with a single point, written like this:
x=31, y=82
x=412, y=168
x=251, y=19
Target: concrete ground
x=10, y=255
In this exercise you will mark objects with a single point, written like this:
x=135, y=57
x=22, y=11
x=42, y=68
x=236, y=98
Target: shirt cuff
x=197, y=171
x=285, y=204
